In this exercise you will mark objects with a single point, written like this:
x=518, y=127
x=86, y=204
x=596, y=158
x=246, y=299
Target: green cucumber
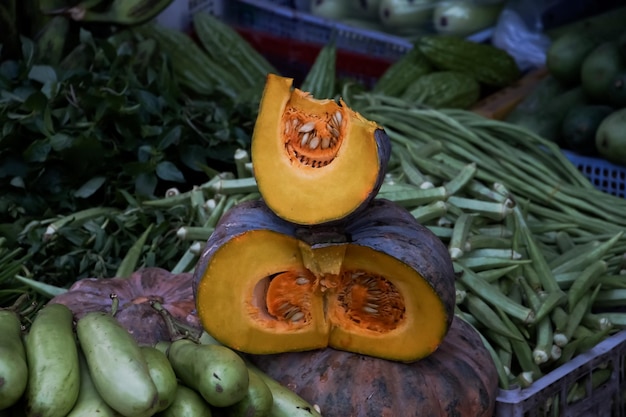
x=463, y=18
x=599, y=69
x=406, y=17
x=89, y=402
x=187, y=403
x=286, y=403
x=53, y=368
x=331, y=9
x=546, y=118
x=13, y=369
x=257, y=402
x=566, y=54
x=616, y=95
x=580, y=126
x=364, y=10
x=117, y=365
x=611, y=137
x=162, y=375
x=216, y=372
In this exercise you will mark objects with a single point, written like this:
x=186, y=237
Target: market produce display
x=525, y=261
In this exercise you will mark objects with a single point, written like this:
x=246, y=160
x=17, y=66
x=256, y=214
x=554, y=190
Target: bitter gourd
x=486, y=63
x=397, y=77
x=444, y=89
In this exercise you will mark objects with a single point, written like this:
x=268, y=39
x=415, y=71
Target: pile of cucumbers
x=582, y=103
x=92, y=366
x=412, y=17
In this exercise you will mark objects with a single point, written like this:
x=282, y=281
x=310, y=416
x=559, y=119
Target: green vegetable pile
x=96, y=367
x=112, y=126
x=581, y=103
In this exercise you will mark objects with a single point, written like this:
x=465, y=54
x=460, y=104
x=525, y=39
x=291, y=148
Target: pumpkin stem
x=115, y=303
x=175, y=328
x=21, y=300
x=322, y=235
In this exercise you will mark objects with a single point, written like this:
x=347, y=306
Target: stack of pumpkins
x=339, y=295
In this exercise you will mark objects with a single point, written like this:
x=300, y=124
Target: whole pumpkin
x=459, y=380
x=136, y=295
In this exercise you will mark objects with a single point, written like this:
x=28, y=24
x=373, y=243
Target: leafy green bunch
x=111, y=115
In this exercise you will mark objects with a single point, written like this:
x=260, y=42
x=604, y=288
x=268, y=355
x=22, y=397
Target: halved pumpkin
x=315, y=161
x=382, y=286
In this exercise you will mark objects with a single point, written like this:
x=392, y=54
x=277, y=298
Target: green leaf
x=43, y=74
x=90, y=187
x=145, y=153
x=145, y=184
x=12, y=165
x=18, y=182
x=22, y=93
x=129, y=263
x=150, y=130
x=36, y=102
x=149, y=102
x=60, y=141
x=37, y=151
x=9, y=69
x=86, y=37
x=172, y=137
x=41, y=287
x=193, y=156
x=167, y=171
x=28, y=50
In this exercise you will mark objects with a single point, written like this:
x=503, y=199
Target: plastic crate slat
x=604, y=175
x=607, y=400
x=276, y=19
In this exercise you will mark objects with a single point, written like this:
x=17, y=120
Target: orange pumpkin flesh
x=315, y=161
x=264, y=285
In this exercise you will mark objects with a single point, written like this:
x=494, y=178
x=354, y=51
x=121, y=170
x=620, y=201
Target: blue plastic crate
x=290, y=19
x=550, y=391
x=604, y=175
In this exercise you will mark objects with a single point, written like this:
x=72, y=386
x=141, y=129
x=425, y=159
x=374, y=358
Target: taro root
x=136, y=295
x=459, y=379
x=315, y=161
x=380, y=285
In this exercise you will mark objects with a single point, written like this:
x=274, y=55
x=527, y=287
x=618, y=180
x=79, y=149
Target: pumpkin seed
x=302, y=281
x=314, y=142
x=370, y=310
x=307, y=127
x=298, y=316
